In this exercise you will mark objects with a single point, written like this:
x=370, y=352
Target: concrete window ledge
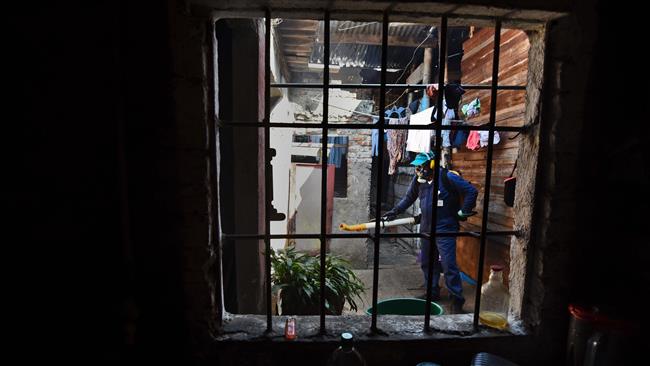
x=250, y=328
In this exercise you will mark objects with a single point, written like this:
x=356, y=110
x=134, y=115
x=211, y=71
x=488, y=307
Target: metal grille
x=323, y=236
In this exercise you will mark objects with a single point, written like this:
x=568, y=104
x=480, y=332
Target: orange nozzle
x=357, y=227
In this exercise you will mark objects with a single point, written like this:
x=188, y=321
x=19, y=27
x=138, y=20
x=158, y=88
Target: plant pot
x=289, y=303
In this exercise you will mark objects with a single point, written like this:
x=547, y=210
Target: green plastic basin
x=404, y=306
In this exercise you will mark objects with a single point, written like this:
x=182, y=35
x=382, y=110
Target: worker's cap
x=422, y=158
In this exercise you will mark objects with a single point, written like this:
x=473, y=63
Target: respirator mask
x=424, y=172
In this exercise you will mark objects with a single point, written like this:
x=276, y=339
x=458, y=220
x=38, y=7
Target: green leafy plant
x=296, y=278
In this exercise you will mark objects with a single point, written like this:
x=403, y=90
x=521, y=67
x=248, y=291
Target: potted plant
x=296, y=283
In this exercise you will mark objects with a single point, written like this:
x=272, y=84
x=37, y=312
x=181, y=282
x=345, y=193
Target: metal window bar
x=390, y=86
x=436, y=172
x=366, y=126
x=488, y=169
x=267, y=168
x=323, y=187
x=380, y=162
x=323, y=236
x=213, y=169
x=369, y=236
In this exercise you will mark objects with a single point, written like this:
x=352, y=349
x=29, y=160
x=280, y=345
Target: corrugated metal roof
x=367, y=56
x=374, y=28
x=353, y=44
x=364, y=55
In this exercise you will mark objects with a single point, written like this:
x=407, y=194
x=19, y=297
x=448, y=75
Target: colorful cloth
x=396, y=143
x=472, y=108
x=473, y=141
x=484, y=135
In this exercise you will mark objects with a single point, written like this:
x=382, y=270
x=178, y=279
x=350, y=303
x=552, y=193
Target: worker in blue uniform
x=450, y=211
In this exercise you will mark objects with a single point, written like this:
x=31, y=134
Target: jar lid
x=496, y=267
x=593, y=315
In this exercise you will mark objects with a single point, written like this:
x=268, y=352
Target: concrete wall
x=237, y=99
x=354, y=208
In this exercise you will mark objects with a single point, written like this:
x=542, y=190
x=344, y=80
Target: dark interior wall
x=92, y=182
x=610, y=258
x=238, y=101
x=100, y=233
x=588, y=252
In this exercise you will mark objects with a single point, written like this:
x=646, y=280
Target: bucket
x=404, y=306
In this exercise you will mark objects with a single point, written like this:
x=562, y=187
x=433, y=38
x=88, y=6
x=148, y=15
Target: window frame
x=381, y=126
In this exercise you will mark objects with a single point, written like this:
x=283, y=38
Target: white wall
x=281, y=142
x=305, y=203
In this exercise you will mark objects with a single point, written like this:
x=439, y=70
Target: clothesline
x=377, y=116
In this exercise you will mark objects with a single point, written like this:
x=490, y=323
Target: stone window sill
x=392, y=328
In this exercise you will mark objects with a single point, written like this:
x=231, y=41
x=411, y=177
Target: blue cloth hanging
x=335, y=155
x=375, y=138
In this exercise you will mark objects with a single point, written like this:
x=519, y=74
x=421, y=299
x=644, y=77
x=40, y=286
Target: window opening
x=318, y=146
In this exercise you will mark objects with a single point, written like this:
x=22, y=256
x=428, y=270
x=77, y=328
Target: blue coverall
x=447, y=221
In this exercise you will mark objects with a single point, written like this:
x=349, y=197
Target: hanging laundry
x=458, y=137
x=406, y=156
x=419, y=140
x=449, y=114
x=375, y=142
x=484, y=135
x=335, y=155
x=414, y=106
x=453, y=93
x=472, y=108
x=375, y=138
x=396, y=142
x=395, y=112
x=473, y=141
x=423, y=103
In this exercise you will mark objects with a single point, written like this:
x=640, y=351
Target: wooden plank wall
x=476, y=68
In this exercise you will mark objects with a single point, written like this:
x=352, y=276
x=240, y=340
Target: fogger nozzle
x=383, y=224
x=357, y=227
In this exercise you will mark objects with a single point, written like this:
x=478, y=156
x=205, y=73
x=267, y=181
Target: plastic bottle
x=290, y=329
x=495, y=300
x=346, y=354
